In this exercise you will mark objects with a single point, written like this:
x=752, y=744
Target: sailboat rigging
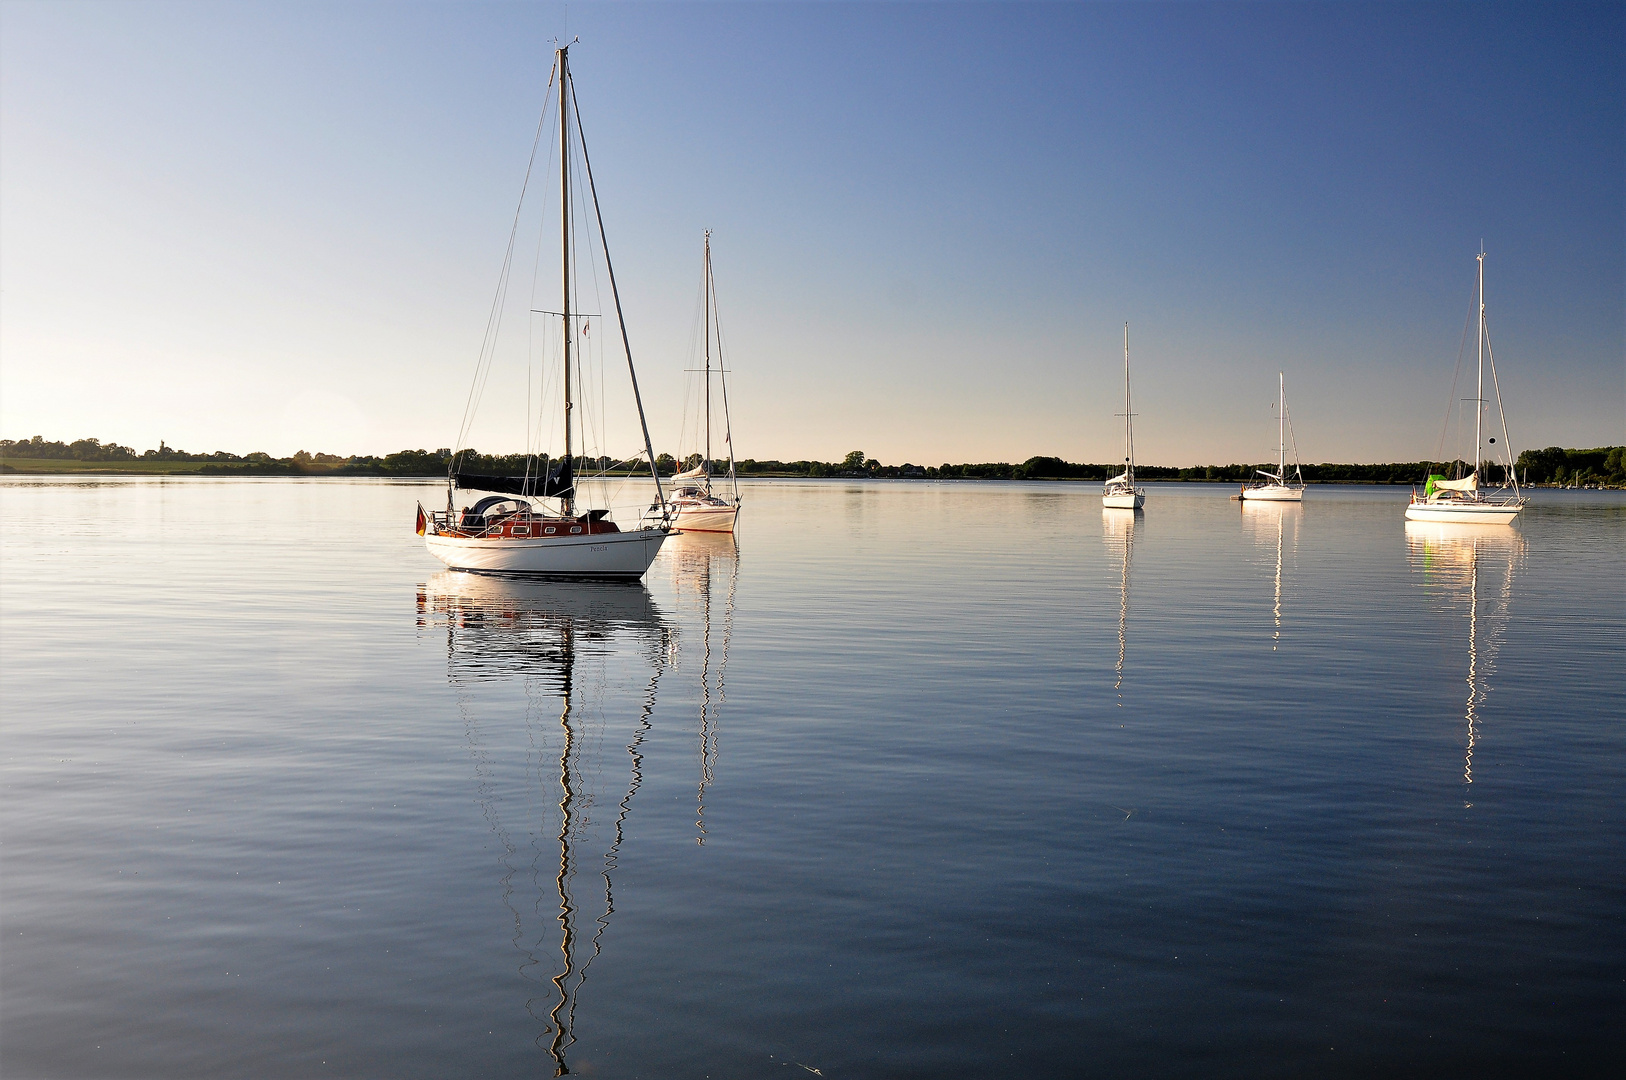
x=1275, y=487
x=507, y=531
x=1120, y=492
x=1462, y=499
x=699, y=504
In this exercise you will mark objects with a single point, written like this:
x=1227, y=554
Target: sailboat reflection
x=700, y=562
x=567, y=642
x=1452, y=557
x=1267, y=522
x=1118, y=533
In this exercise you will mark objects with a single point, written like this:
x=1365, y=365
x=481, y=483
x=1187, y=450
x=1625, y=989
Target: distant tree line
x=401, y=463
x=82, y=450
x=1604, y=465
x=1554, y=465
x=1053, y=468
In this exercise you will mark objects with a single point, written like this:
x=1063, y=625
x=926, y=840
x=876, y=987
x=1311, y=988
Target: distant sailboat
x=507, y=532
x=1275, y=487
x=1463, y=499
x=1121, y=492
x=701, y=505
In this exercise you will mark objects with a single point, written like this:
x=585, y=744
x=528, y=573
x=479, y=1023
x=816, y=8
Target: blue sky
x=279, y=226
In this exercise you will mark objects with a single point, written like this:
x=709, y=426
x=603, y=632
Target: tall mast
x=1129, y=423
x=569, y=498
x=1479, y=397
x=1281, y=425
x=706, y=301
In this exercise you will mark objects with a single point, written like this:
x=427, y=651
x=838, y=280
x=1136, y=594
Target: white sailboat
x=1464, y=500
x=699, y=504
x=1120, y=492
x=509, y=531
x=1275, y=487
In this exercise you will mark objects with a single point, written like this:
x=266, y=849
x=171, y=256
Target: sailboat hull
x=1465, y=513
x=600, y=555
x=1128, y=500
x=1273, y=494
x=714, y=519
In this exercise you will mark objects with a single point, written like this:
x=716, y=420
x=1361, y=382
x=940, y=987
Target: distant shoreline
x=1555, y=466
x=205, y=470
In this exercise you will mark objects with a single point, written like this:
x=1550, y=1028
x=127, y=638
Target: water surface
x=919, y=779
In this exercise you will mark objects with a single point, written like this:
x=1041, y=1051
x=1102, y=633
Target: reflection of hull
x=1123, y=500
x=1118, y=532
x=504, y=627
x=1461, y=542
x=606, y=555
x=1464, y=512
x=1267, y=511
x=1273, y=493
x=566, y=642
x=697, y=560
x=692, y=552
x=1116, y=527
x=706, y=517
x=1453, y=556
x=452, y=592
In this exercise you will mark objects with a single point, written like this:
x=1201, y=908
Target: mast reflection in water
x=1118, y=533
x=1268, y=522
x=705, y=571
x=562, y=641
x=1472, y=564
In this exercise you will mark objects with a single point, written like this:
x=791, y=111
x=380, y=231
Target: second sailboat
x=1121, y=492
x=700, y=501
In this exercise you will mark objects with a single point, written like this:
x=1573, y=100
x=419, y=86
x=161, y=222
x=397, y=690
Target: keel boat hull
x=619, y=555
x=1464, y=513
x=1273, y=494
x=714, y=519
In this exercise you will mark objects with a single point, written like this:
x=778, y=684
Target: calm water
x=921, y=780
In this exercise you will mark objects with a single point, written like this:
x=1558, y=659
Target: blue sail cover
x=559, y=481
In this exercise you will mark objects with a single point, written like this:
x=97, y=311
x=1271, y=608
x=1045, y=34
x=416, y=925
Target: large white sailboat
x=540, y=524
x=701, y=502
x=1275, y=486
x=1464, y=499
x=1120, y=492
